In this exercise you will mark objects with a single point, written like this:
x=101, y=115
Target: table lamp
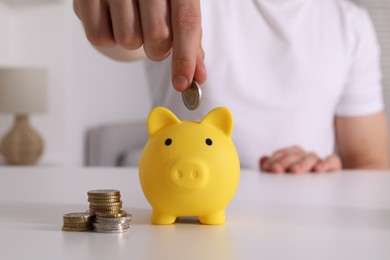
x=22, y=92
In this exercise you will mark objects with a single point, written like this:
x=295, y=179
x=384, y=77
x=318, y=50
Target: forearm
x=369, y=162
x=120, y=54
x=363, y=141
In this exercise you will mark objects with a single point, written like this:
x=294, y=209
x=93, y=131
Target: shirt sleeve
x=362, y=94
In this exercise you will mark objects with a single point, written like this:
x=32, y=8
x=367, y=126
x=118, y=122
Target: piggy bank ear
x=160, y=117
x=221, y=118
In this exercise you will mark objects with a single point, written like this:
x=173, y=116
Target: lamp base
x=22, y=145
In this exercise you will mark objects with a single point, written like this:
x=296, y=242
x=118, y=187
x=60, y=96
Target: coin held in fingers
x=192, y=96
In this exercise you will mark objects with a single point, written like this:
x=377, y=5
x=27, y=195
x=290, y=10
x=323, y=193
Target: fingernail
x=180, y=83
x=295, y=168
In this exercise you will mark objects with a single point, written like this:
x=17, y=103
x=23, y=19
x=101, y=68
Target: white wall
x=99, y=90
x=5, y=120
x=86, y=89
x=4, y=28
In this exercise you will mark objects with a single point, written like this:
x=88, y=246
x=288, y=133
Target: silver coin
x=192, y=96
x=113, y=231
x=110, y=229
x=110, y=226
x=126, y=219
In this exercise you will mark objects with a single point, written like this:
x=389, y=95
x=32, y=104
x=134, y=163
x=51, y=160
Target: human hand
x=296, y=160
x=159, y=26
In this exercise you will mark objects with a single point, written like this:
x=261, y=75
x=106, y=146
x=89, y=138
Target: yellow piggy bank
x=189, y=168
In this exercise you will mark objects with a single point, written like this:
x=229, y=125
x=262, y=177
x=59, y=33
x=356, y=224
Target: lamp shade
x=23, y=90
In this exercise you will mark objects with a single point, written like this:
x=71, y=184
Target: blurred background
x=87, y=90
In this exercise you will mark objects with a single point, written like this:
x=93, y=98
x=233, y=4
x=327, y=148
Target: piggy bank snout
x=189, y=174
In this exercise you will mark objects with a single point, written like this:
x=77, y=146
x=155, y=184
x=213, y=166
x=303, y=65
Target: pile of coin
x=78, y=222
x=104, y=214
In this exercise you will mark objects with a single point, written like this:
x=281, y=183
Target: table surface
x=343, y=215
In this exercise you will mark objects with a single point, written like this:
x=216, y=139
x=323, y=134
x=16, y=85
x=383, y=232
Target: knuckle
x=286, y=161
x=158, y=35
x=312, y=155
x=280, y=152
x=296, y=148
x=129, y=39
x=99, y=38
x=158, y=44
x=288, y=157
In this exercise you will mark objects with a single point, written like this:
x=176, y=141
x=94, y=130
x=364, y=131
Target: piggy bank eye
x=209, y=141
x=168, y=141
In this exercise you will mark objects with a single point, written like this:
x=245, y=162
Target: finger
x=76, y=8
x=329, y=164
x=186, y=27
x=274, y=168
x=262, y=161
x=156, y=28
x=96, y=20
x=306, y=164
x=293, y=148
x=200, y=70
x=283, y=152
x=126, y=23
x=285, y=162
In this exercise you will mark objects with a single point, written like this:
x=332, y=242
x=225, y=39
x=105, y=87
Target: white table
x=312, y=216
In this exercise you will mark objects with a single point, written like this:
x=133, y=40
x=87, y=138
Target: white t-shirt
x=284, y=68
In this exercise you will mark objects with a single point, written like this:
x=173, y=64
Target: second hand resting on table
x=129, y=30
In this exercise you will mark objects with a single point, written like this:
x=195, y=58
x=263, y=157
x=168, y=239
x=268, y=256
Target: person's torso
x=280, y=66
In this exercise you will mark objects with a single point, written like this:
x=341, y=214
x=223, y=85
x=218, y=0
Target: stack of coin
x=78, y=222
x=112, y=224
x=106, y=205
x=104, y=201
x=105, y=208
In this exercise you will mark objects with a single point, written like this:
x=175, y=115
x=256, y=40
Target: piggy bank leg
x=160, y=218
x=215, y=218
